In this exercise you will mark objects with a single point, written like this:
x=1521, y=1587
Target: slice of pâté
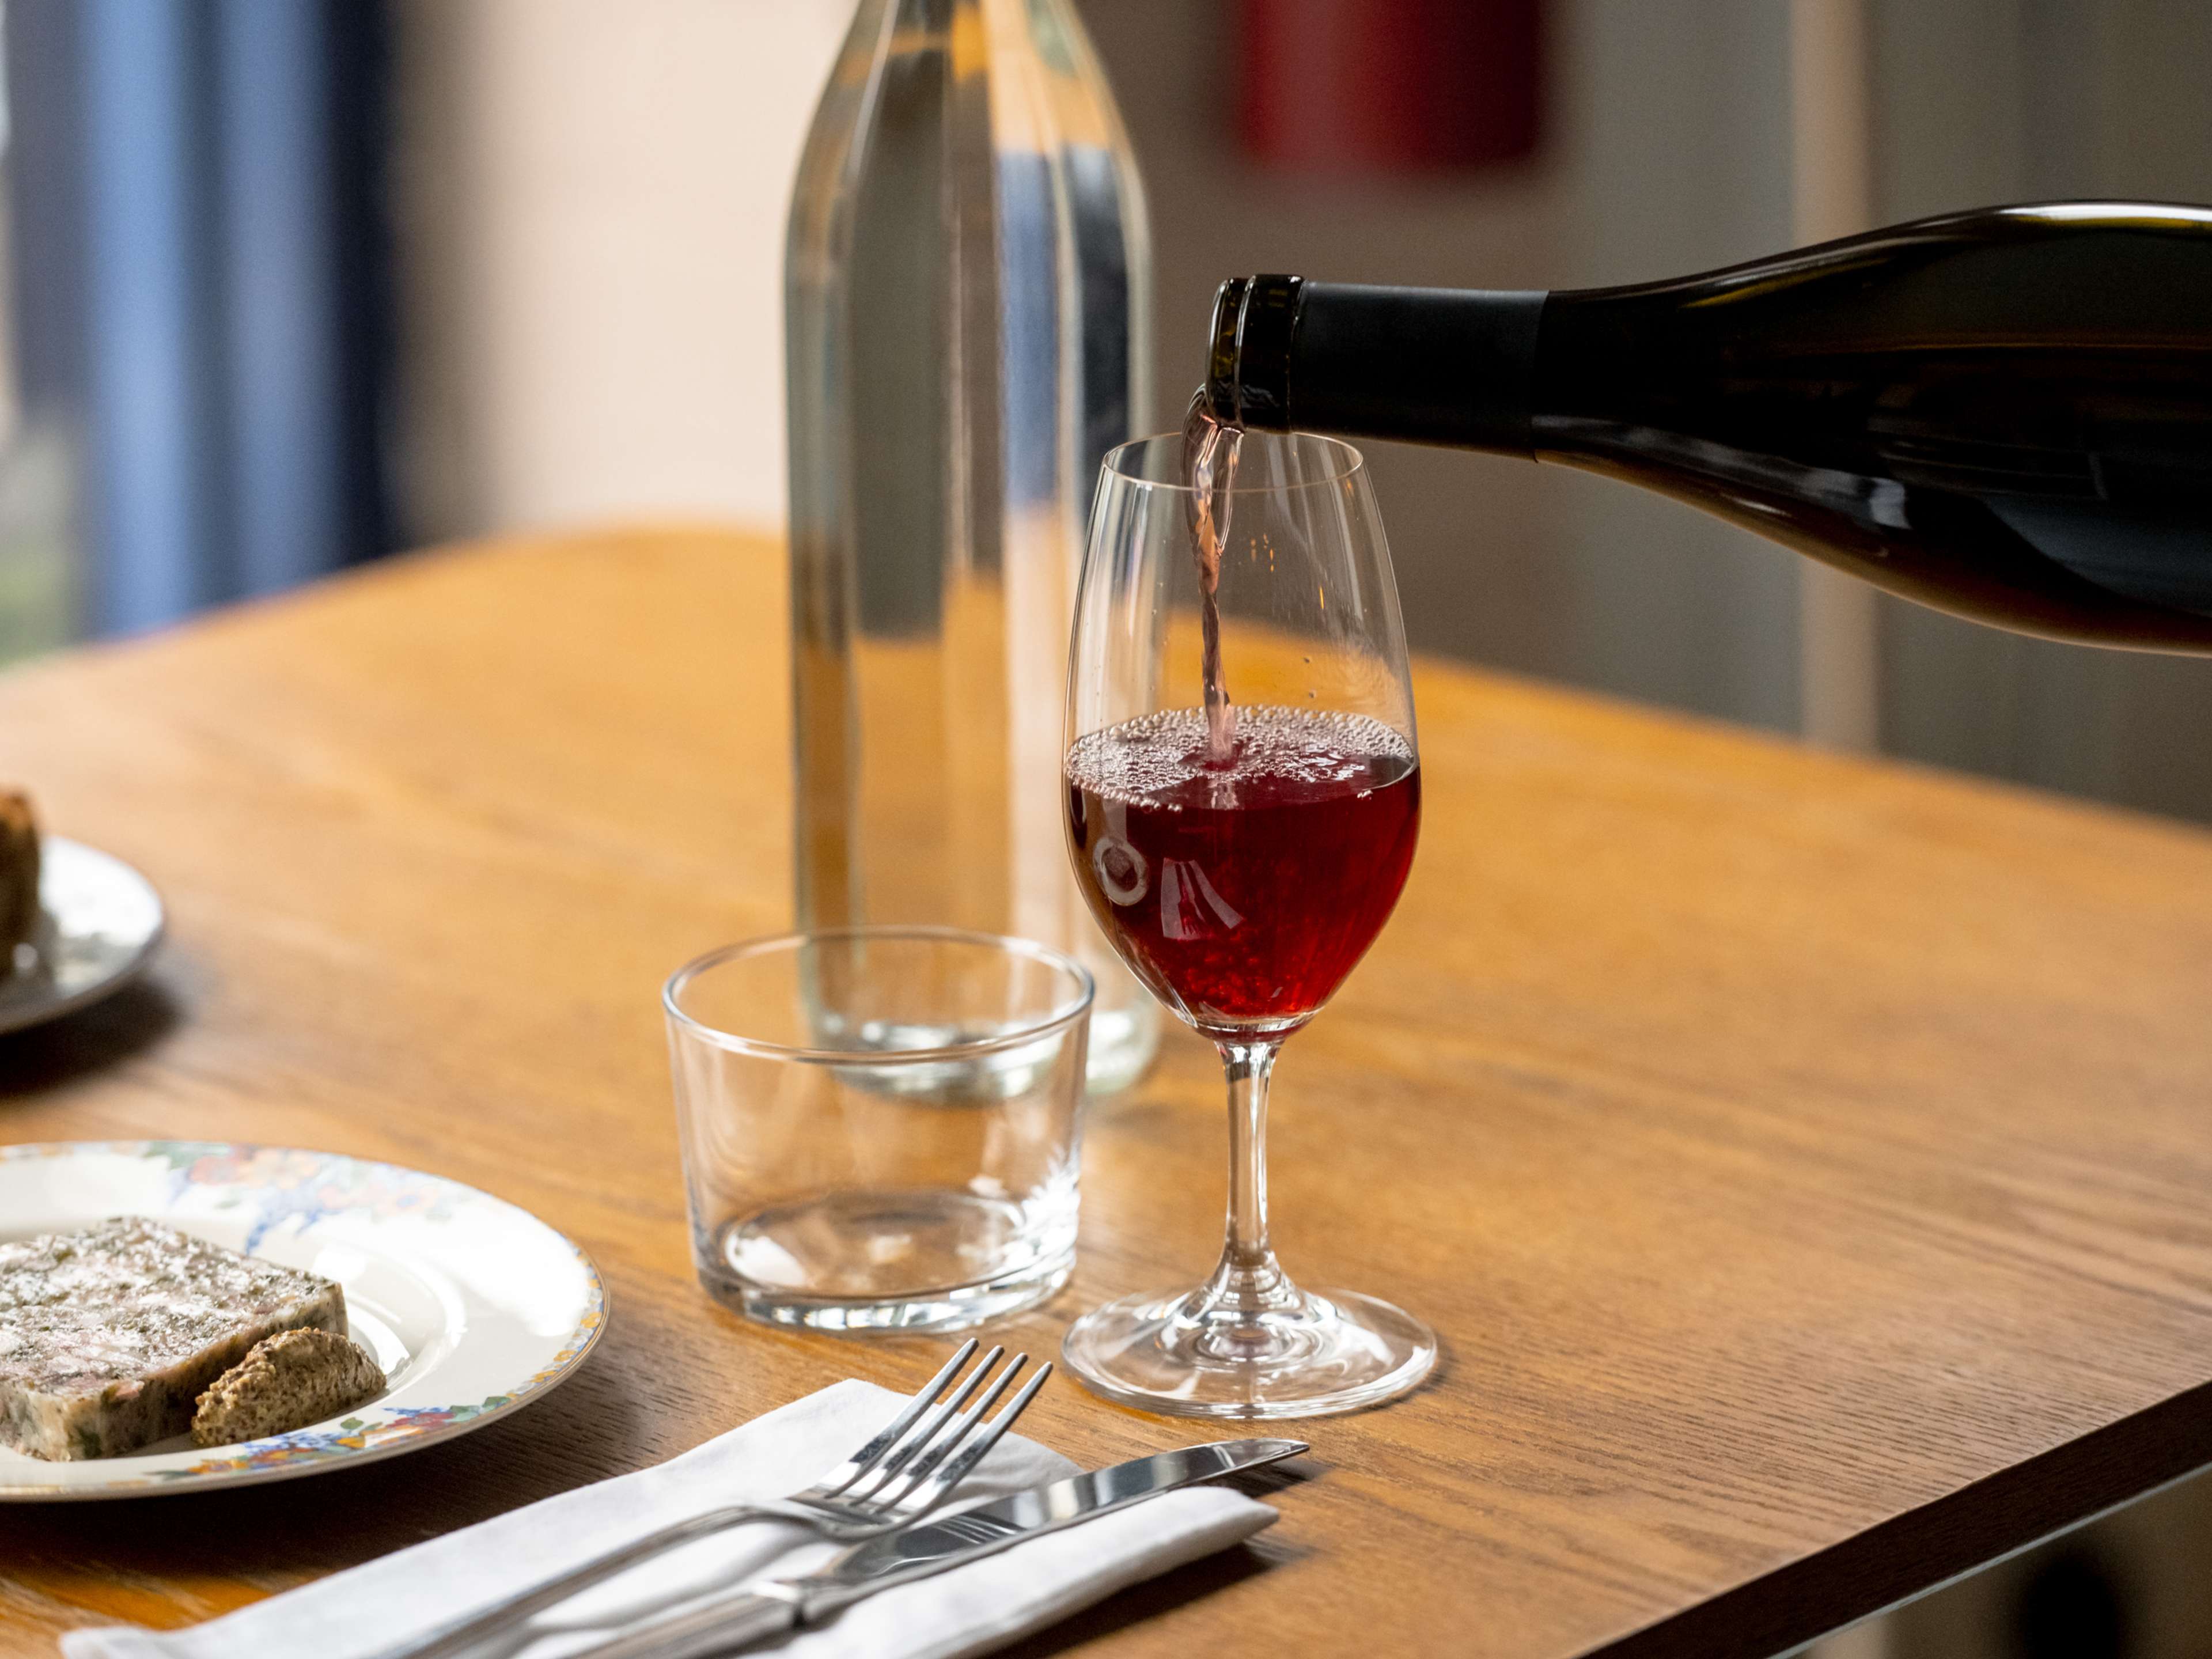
x=288, y=1382
x=109, y=1336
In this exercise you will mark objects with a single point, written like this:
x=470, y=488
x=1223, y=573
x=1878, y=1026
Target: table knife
x=771, y=1608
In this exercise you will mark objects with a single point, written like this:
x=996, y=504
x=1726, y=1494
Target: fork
x=893, y=1480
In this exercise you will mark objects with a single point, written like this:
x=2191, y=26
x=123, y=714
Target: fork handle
x=450, y=1640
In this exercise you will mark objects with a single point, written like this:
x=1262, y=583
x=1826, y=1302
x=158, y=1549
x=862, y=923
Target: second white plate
x=103, y=921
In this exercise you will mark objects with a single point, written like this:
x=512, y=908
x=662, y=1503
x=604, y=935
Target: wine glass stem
x=1249, y=1280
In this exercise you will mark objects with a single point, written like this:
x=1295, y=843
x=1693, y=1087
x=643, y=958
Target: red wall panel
x=1389, y=86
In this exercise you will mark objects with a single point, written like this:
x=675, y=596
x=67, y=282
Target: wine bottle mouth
x=1269, y=463
x=1221, y=351
x=1248, y=357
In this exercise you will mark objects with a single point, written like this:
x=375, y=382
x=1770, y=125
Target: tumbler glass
x=881, y=1126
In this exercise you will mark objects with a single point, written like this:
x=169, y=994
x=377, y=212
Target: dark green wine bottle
x=2005, y=414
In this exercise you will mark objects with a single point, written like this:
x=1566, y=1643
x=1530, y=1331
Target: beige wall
x=590, y=200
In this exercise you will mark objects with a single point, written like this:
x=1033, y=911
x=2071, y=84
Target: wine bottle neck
x=1439, y=366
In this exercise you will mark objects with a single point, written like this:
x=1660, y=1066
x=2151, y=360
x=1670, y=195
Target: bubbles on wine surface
x=1164, y=759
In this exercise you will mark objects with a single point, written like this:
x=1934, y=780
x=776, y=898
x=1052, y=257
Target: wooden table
x=1803, y=1160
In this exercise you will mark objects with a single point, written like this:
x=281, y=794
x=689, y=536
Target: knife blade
x=774, y=1607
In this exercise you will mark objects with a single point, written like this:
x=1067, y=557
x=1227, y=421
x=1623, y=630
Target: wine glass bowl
x=1242, y=867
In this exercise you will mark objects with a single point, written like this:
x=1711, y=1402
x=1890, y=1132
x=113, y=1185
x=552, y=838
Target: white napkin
x=973, y=1610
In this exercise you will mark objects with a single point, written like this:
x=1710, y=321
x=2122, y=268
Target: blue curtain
x=201, y=290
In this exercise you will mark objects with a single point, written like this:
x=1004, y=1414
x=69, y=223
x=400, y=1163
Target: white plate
x=102, y=922
x=471, y=1306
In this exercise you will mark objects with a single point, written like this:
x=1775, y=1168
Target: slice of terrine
x=109, y=1336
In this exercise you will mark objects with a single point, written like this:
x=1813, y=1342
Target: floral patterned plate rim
x=473, y=1305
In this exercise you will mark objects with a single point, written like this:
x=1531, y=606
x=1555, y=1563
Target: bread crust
x=288, y=1382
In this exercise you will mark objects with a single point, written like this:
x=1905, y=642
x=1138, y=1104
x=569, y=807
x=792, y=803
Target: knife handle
x=716, y=1627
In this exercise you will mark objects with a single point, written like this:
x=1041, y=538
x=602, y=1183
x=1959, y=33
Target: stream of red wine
x=1209, y=459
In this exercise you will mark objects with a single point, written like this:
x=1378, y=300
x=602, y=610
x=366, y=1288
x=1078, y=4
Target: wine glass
x=1243, y=881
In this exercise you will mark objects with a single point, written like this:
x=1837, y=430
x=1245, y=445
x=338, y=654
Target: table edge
x=1910, y=1554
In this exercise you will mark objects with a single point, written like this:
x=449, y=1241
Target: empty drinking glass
x=881, y=1127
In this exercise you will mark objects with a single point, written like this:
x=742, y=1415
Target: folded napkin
x=978, y=1608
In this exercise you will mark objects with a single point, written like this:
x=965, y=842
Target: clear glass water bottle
x=968, y=331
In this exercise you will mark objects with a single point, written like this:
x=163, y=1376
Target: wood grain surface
x=1803, y=1160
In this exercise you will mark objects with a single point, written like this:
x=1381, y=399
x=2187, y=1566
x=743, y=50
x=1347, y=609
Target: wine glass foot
x=1333, y=1351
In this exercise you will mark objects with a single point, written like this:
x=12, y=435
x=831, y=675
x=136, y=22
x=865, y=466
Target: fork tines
x=918, y=1457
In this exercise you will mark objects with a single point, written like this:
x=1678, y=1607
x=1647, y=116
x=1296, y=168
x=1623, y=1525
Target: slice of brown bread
x=19, y=876
x=289, y=1381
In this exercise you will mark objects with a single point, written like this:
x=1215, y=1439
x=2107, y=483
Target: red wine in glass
x=1244, y=890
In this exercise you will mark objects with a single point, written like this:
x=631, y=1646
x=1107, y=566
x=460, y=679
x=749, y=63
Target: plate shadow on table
x=107, y=1033
x=278, y=1534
